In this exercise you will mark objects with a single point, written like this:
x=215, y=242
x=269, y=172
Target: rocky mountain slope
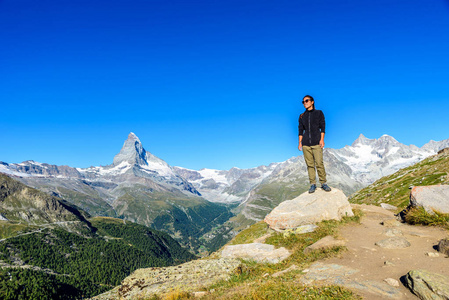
x=395, y=188
x=137, y=186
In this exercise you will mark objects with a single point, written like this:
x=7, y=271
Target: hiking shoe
x=326, y=187
x=312, y=188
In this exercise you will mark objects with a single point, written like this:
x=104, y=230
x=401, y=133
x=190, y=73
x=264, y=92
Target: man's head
x=308, y=102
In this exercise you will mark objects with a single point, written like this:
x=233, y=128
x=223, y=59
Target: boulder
x=427, y=285
x=326, y=242
x=308, y=209
x=332, y=274
x=434, y=197
x=393, y=243
x=443, y=246
x=256, y=251
x=189, y=277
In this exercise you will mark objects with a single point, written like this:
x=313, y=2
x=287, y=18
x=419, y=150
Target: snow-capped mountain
x=226, y=186
x=137, y=186
x=143, y=188
x=371, y=159
x=134, y=159
x=349, y=169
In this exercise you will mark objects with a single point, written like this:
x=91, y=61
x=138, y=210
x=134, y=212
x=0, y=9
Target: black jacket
x=310, y=126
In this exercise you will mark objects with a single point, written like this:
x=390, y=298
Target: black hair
x=311, y=99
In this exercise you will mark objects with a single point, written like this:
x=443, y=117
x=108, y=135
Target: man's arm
x=322, y=140
x=300, y=143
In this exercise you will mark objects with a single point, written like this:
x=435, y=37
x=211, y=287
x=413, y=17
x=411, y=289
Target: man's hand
x=300, y=147
x=322, y=144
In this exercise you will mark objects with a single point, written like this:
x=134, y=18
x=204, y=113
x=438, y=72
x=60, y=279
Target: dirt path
x=370, y=259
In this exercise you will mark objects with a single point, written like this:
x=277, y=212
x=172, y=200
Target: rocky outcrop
x=309, y=209
x=256, y=251
x=188, y=277
x=328, y=274
x=19, y=203
x=435, y=197
x=428, y=285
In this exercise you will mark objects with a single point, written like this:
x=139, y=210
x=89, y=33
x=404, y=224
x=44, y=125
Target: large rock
x=256, y=251
x=188, y=277
x=434, y=197
x=332, y=274
x=428, y=285
x=308, y=209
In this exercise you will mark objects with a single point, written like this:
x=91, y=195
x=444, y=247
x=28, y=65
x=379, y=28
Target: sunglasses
x=306, y=101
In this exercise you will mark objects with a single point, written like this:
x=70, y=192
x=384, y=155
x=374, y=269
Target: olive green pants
x=313, y=156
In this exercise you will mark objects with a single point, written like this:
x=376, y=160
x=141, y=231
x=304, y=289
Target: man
x=311, y=127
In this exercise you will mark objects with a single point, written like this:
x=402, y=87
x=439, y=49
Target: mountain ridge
x=143, y=188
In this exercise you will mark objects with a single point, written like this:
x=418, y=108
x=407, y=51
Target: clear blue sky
x=216, y=84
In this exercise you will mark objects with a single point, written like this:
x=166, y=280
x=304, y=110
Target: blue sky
x=216, y=84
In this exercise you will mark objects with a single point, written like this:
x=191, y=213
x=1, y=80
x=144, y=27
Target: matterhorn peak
x=131, y=152
x=132, y=136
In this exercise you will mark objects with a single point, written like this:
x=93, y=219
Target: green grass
x=250, y=234
x=419, y=216
x=9, y=229
x=252, y=282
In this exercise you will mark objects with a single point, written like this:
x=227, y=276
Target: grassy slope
x=251, y=281
x=395, y=188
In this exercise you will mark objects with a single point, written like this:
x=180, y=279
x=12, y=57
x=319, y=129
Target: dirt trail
x=370, y=259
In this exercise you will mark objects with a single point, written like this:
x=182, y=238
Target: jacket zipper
x=310, y=128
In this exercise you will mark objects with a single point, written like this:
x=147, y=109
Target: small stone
x=388, y=206
x=291, y=268
x=265, y=275
x=367, y=248
x=432, y=254
x=392, y=232
x=199, y=294
x=392, y=282
x=388, y=263
x=327, y=242
x=393, y=243
x=443, y=246
x=390, y=223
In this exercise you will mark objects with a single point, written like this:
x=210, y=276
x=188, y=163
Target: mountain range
x=203, y=209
